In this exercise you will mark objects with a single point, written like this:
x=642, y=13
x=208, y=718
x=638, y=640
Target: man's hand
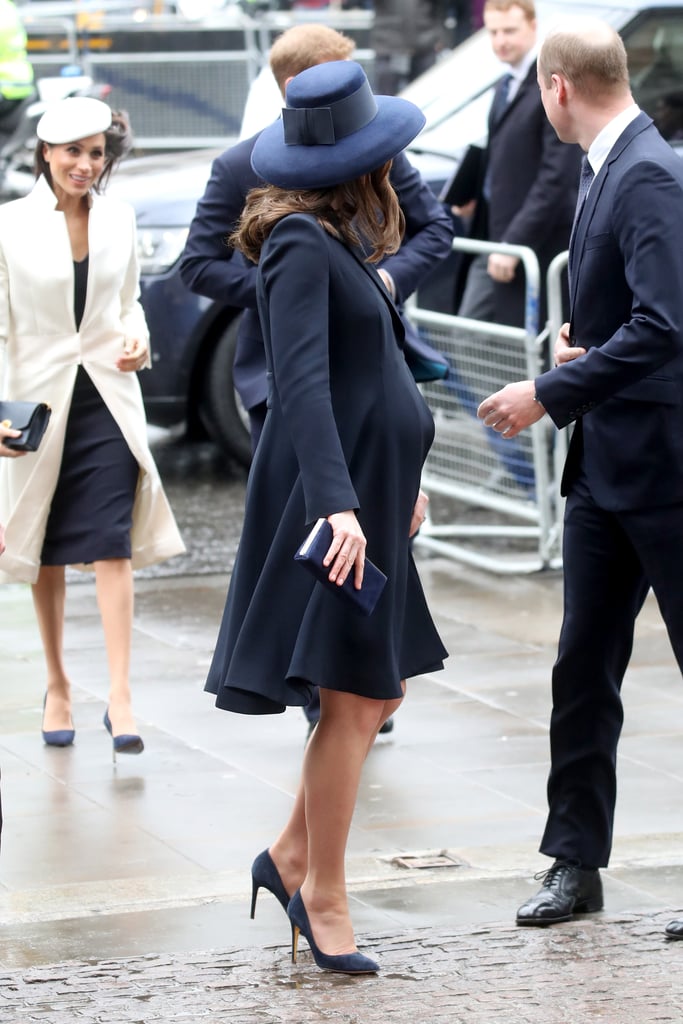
x=502, y=268
x=465, y=211
x=564, y=351
x=511, y=410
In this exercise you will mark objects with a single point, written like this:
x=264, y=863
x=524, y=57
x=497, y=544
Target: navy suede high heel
x=264, y=875
x=343, y=963
x=126, y=743
x=57, y=737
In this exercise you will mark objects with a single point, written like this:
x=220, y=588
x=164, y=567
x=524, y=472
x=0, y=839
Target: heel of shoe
x=296, y=931
x=264, y=875
x=254, y=893
x=126, y=743
x=589, y=906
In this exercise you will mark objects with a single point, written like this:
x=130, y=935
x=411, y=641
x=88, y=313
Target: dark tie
x=500, y=99
x=500, y=102
x=585, y=181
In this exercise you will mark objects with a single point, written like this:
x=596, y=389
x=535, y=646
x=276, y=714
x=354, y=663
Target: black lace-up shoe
x=566, y=890
x=674, y=929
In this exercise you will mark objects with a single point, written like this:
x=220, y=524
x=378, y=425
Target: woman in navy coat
x=345, y=438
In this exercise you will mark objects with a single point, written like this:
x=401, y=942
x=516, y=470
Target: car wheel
x=225, y=419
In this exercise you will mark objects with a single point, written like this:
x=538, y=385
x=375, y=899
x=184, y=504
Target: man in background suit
x=526, y=190
x=619, y=377
x=210, y=267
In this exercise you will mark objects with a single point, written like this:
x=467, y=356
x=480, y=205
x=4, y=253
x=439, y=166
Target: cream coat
x=43, y=350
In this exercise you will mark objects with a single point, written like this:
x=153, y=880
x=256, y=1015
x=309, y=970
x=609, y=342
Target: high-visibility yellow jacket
x=16, y=73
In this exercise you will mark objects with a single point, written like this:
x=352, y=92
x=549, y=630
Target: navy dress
x=91, y=514
x=347, y=428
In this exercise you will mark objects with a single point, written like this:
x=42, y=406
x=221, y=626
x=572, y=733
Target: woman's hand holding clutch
x=8, y=452
x=347, y=549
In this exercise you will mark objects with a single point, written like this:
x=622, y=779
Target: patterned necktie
x=585, y=181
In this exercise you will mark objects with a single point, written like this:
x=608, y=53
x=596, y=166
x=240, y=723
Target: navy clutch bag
x=31, y=418
x=311, y=554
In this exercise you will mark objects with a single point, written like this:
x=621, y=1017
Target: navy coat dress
x=347, y=428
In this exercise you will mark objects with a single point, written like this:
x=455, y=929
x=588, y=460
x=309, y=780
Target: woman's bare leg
x=290, y=851
x=49, y=599
x=344, y=735
x=114, y=584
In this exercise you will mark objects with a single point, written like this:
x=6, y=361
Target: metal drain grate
x=428, y=860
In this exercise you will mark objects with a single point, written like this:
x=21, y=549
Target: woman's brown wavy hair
x=363, y=212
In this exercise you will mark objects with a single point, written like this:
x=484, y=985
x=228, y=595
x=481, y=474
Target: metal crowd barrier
x=179, y=91
x=556, y=317
x=493, y=501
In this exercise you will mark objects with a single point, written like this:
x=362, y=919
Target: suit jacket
x=210, y=267
x=626, y=268
x=533, y=178
x=43, y=350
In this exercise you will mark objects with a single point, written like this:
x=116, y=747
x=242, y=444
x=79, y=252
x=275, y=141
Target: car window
x=654, y=43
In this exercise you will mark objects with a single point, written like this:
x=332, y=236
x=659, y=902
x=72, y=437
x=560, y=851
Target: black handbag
x=31, y=418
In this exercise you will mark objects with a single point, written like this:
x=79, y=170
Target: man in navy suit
x=619, y=378
x=526, y=190
x=210, y=267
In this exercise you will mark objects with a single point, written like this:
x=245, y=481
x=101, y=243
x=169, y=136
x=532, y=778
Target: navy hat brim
x=395, y=125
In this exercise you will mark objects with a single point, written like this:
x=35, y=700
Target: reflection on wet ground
x=207, y=496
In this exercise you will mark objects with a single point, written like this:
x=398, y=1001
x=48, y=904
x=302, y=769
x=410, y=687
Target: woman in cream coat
x=71, y=325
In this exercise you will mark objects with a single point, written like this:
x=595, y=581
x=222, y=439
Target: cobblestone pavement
x=617, y=969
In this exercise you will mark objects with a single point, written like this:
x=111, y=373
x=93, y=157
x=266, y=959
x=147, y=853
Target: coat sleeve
x=295, y=270
x=4, y=316
x=428, y=232
x=209, y=266
x=132, y=313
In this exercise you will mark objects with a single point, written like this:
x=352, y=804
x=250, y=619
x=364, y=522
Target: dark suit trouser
x=610, y=561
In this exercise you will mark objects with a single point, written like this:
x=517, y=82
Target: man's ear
x=559, y=88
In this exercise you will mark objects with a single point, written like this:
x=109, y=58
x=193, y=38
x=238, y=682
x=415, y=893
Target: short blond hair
x=527, y=6
x=304, y=46
x=590, y=55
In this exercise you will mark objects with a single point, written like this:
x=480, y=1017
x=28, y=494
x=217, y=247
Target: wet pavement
x=124, y=888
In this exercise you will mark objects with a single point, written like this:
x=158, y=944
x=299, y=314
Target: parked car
x=193, y=339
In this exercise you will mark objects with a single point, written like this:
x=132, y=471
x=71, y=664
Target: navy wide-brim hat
x=333, y=129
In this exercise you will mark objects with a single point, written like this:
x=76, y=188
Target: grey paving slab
x=112, y=878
